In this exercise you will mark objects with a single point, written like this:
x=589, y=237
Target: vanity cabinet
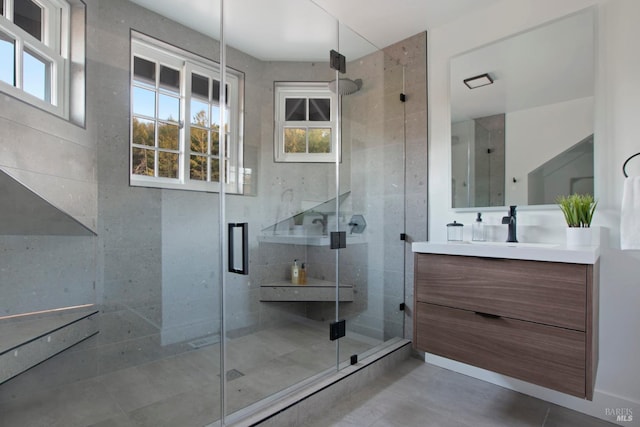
x=532, y=320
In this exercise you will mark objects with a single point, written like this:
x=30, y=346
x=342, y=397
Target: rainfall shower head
x=346, y=86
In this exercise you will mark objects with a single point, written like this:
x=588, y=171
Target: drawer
x=544, y=292
x=544, y=355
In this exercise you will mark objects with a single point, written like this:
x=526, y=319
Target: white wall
x=536, y=135
x=616, y=137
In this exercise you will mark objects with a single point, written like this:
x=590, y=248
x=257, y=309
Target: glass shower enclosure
x=324, y=200
x=209, y=306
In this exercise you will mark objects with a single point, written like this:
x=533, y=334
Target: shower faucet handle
x=357, y=224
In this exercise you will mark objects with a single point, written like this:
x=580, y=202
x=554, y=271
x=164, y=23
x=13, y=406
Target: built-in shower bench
x=28, y=340
x=315, y=290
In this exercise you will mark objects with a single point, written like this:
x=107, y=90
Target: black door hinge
x=337, y=61
x=337, y=329
x=338, y=239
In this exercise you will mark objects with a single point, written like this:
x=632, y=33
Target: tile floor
x=417, y=394
x=183, y=391
x=180, y=390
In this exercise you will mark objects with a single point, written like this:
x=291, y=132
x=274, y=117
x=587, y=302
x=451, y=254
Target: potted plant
x=578, y=210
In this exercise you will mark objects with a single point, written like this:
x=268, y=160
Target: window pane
x=35, y=79
x=319, y=140
x=295, y=109
x=167, y=165
x=319, y=109
x=28, y=16
x=215, y=93
x=199, y=140
x=199, y=111
x=198, y=168
x=144, y=102
x=7, y=60
x=200, y=86
x=215, y=170
x=168, y=108
x=143, y=162
x=144, y=71
x=215, y=143
x=295, y=140
x=215, y=117
x=169, y=78
x=168, y=136
x=143, y=132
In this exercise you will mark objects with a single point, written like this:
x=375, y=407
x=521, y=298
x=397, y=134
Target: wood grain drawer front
x=543, y=292
x=545, y=355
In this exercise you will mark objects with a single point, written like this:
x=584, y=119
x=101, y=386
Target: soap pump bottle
x=477, y=229
x=302, y=275
x=295, y=273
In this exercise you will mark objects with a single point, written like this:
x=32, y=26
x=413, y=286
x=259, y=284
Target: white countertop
x=525, y=251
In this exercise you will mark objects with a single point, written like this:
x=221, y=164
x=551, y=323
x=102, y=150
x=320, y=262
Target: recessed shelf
x=315, y=290
x=308, y=240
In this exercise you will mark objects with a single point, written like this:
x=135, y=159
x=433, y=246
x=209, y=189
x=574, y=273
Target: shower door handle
x=238, y=253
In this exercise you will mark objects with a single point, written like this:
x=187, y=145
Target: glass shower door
x=279, y=203
x=373, y=150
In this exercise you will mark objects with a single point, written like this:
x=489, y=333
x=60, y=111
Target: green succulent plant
x=578, y=209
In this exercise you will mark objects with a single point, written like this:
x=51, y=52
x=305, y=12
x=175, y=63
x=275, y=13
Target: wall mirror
x=522, y=114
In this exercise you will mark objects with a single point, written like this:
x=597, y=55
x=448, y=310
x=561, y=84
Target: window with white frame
x=34, y=52
x=175, y=120
x=305, y=129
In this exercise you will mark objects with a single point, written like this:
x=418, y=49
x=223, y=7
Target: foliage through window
x=34, y=52
x=175, y=120
x=305, y=128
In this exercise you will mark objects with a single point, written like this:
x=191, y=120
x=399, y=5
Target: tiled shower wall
x=388, y=141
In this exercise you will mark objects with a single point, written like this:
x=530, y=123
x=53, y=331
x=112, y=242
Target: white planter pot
x=578, y=236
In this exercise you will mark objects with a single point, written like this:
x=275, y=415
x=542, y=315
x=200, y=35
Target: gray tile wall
x=45, y=272
x=388, y=142
x=412, y=54
x=54, y=157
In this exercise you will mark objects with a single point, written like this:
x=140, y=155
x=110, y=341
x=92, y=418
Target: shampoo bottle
x=295, y=273
x=302, y=276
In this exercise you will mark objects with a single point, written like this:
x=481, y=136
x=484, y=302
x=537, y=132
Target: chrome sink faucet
x=511, y=221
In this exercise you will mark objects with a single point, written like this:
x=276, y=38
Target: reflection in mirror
x=526, y=137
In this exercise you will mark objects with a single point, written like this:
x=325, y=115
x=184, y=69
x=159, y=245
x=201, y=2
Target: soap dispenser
x=295, y=273
x=477, y=229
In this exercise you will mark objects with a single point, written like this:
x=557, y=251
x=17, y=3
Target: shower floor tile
x=181, y=389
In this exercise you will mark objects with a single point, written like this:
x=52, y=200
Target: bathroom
x=144, y=252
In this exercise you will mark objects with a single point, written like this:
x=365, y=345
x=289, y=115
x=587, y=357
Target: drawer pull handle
x=487, y=315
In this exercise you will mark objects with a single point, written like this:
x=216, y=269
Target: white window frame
x=285, y=90
x=54, y=49
x=156, y=51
